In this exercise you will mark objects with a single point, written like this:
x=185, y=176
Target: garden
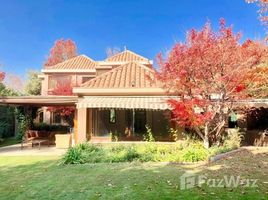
x=189, y=150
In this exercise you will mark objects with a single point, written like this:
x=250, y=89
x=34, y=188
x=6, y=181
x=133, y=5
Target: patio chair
x=28, y=137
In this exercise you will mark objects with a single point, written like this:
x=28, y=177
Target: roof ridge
x=87, y=57
x=70, y=59
x=137, y=54
x=126, y=50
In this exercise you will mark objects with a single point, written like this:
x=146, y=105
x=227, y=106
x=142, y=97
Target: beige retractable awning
x=125, y=102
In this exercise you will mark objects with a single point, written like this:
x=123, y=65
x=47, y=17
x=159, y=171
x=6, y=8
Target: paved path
x=15, y=150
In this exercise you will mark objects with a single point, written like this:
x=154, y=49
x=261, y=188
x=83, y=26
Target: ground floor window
x=56, y=118
x=140, y=121
x=41, y=117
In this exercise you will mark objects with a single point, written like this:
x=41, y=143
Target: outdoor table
x=39, y=141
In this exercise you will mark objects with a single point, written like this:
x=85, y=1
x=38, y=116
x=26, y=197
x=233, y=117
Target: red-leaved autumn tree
x=2, y=76
x=61, y=51
x=66, y=112
x=209, y=72
x=263, y=4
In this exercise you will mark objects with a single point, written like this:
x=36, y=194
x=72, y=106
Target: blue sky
x=28, y=28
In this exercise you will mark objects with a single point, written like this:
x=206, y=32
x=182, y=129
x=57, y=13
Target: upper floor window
x=53, y=80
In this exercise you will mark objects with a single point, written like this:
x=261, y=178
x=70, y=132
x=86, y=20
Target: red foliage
x=2, y=76
x=208, y=71
x=61, y=51
x=63, y=89
x=240, y=87
x=263, y=5
x=185, y=114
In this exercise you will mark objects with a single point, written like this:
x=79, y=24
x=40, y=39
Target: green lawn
x=43, y=178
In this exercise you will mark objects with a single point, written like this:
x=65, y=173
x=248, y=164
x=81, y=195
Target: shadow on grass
x=32, y=178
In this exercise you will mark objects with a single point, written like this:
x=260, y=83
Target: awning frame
x=125, y=102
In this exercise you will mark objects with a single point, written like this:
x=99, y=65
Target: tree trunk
x=206, y=139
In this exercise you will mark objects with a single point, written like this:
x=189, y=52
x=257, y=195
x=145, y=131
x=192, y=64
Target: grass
x=43, y=178
x=8, y=141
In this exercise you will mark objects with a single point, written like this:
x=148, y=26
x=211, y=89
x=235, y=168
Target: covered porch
x=123, y=117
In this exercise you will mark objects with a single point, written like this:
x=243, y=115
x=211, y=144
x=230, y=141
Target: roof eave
x=119, y=91
x=123, y=62
x=68, y=70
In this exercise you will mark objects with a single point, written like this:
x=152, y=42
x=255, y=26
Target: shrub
x=149, y=134
x=192, y=154
x=230, y=142
x=7, y=122
x=233, y=139
x=3, y=129
x=113, y=136
x=91, y=153
x=83, y=153
x=50, y=127
x=123, y=154
x=73, y=156
x=23, y=125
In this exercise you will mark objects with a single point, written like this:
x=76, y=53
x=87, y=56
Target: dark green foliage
x=24, y=123
x=7, y=121
x=5, y=91
x=50, y=127
x=7, y=118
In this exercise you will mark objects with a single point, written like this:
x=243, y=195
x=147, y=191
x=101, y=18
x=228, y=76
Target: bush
x=50, y=127
x=91, y=153
x=3, y=129
x=73, y=156
x=148, y=136
x=195, y=153
x=23, y=125
x=83, y=153
x=233, y=139
x=7, y=122
x=230, y=142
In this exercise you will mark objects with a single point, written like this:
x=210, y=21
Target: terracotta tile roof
x=78, y=62
x=126, y=56
x=130, y=75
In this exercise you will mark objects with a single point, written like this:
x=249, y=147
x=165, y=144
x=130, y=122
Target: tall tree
x=209, y=72
x=33, y=83
x=14, y=82
x=263, y=4
x=6, y=113
x=61, y=51
x=2, y=76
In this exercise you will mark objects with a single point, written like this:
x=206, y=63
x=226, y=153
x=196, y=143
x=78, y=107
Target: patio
x=28, y=150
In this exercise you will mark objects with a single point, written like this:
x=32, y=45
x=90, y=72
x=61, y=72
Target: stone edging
x=224, y=155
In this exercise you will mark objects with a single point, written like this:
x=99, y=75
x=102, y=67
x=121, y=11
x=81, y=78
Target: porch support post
x=81, y=125
x=133, y=121
x=75, y=127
